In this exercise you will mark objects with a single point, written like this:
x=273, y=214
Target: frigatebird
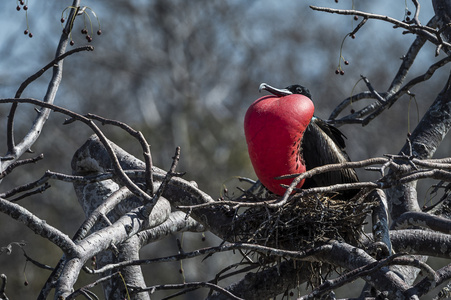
x=284, y=137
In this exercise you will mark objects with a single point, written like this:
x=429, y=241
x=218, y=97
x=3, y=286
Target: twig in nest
x=304, y=222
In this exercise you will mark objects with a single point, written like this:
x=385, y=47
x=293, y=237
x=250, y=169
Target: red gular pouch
x=274, y=127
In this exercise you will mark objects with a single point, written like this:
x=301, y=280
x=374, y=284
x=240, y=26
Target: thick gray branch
x=37, y=225
x=92, y=157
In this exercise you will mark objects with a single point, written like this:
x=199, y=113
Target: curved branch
x=426, y=31
x=3, y=287
x=179, y=191
x=423, y=143
x=422, y=174
x=407, y=62
x=123, y=229
x=115, y=163
x=380, y=226
x=394, y=92
x=260, y=285
x=354, y=117
x=442, y=11
x=424, y=220
x=422, y=242
x=428, y=74
x=209, y=285
x=351, y=276
x=269, y=251
x=426, y=284
x=38, y=226
x=356, y=260
x=176, y=222
x=405, y=89
x=144, y=145
x=34, y=132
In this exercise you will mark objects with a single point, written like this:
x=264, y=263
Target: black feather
x=299, y=89
x=324, y=144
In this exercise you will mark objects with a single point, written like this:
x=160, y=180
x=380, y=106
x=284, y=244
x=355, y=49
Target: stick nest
x=304, y=222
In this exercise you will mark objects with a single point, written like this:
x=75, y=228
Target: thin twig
x=91, y=285
x=422, y=174
x=144, y=145
x=146, y=210
x=350, y=276
x=19, y=163
x=372, y=90
x=53, y=63
x=218, y=278
x=36, y=263
x=387, y=162
x=425, y=76
x=360, y=25
x=34, y=192
x=405, y=89
x=48, y=66
x=428, y=32
x=417, y=13
x=189, y=285
x=298, y=255
x=327, y=168
x=122, y=176
x=345, y=103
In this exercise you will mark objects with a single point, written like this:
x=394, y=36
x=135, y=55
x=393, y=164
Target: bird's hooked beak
x=273, y=90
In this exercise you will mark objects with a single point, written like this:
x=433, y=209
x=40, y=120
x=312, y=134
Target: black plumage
x=323, y=144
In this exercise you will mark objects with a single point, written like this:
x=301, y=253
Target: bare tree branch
x=3, y=287
x=16, y=164
x=119, y=171
x=298, y=255
x=37, y=225
x=422, y=242
x=426, y=31
x=190, y=285
x=34, y=132
x=145, y=146
x=380, y=226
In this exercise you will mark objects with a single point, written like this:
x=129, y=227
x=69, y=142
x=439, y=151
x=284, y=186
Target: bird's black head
x=299, y=89
x=292, y=89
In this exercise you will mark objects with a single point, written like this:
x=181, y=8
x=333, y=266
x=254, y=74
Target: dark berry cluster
x=339, y=70
x=22, y=5
x=27, y=32
x=407, y=15
x=84, y=31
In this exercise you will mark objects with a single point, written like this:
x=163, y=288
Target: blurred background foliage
x=184, y=73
